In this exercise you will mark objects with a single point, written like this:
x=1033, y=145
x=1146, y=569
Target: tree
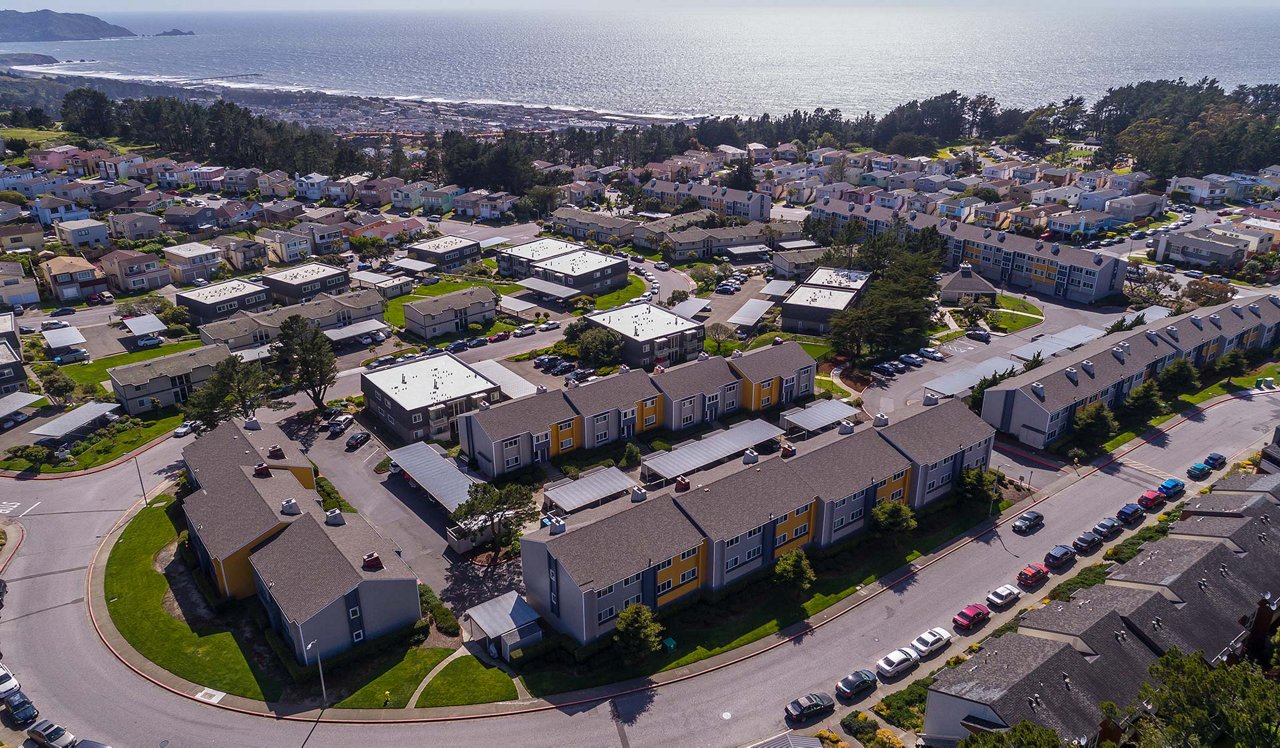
x=1177, y=377
x=175, y=316
x=495, y=513
x=793, y=571
x=1233, y=364
x=893, y=517
x=89, y=113
x=1205, y=292
x=1151, y=287
x=1094, y=424
x=1195, y=704
x=972, y=312
x=1035, y=362
x=599, y=347
x=235, y=390
x=303, y=356
x=1145, y=401
x=741, y=178
x=1023, y=735
x=703, y=275
x=13, y=198
x=977, y=487
x=574, y=330
x=57, y=385
x=630, y=455
x=677, y=296
x=718, y=333
x=639, y=635
x=979, y=391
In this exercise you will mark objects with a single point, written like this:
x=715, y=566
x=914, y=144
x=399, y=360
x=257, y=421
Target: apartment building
x=221, y=300
x=616, y=407
x=754, y=206
x=165, y=381
x=775, y=375
x=247, y=329
x=518, y=261
x=451, y=313
x=520, y=433
x=448, y=253
x=651, y=335
x=940, y=441
x=583, y=271
x=423, y=399
x=811, y=305
x=651, y=234
x=303, y=282
x=599, y=227
x=697, y=393
x=699, y=243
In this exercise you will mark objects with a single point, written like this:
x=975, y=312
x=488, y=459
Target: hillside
x=49, y=26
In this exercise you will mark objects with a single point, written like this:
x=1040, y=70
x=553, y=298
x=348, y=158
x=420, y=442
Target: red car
x=499, y=337
x=1047, y=235
x=971, y=616
x=1033, y=575
x=1150, y=500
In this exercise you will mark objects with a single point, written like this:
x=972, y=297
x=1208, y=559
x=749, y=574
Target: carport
x=961, y=381
x=690, y=308
x=515, y=307
x=144, y=324
x=73, y=421
x=413, y=266
x=590, y=489
x=355, y=330
x=256, y=353
x=512, y=384
x=778, y=288
x=503, y=624
x=63, y=337
x=494, y=241
x=818, y=416
x=797, y=244
x=1052, y=345
x=552, y=290
x=751, y=312
x=747, y=252
x=16, y=401
x=708, y=451
x=436, y=474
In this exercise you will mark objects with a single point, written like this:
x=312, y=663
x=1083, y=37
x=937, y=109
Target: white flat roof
x=542, y=249
x=429, y=381
x=578, y=263
x=144, y=324
x=221, y=291
x=442, y=244
x=307, y=272
x=413, y=266
x=62, y=337
x=192, y=249
x=512, y=304
x=378, y=279
x=512, y=384
x=643, y=321
x=823, y=298
x=852, y=280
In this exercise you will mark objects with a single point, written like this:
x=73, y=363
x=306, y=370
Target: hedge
x=441, y=616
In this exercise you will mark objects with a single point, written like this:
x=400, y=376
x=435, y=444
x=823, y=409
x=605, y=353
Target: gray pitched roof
x=304, y=570
x=847, y=465
x=618, y=391
x=623, y=543
x=694, y=378
x=971, y=283
x=781, y=360
x=323, y=305
x=744, y=500
x=527, y=415
x=454, y=300
x=174, y=364
x=937, y=432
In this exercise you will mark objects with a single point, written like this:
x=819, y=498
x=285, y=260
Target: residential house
x=1060, y=175
x=82, y=233
x=1097, y=199
x=149, y=202
x=1203, y=248
x=9, y=212
x=994, y=215
x=245, y=330
x=1129, y=209
x=1258, y=240
x=1026, y=173
x=932, y=182
x=229, y=213
x=450, y=314
x=323, y=238
x=116, y=168
x=1026, y=192
x=13, y=375
x=447, y=253
x=775, y=375
x=285, y=247
x=409, y=196
x=221, y=300
x=16, y=287
x=423, y=399
x=1035, y=218
x=895, y=200
x=926, y=202
x=240, y=181
x=651, y=335
x=72, y=278
x=467, y=205
x=1085, y=222
x=303, y=282
x=50, y=210
x=175, y=176
x=907, y=180
x=959, y=208
x=343, y=191
x=85, y=163
x=274, y=184
x=208, y=178
x=165, y=381
x=580, y=193
x=1095, y=180
x=134, y=226
x=112, y=197
x=52, y=159
x=1197, y=191
x=281, y=211
x=148, y=172
x=241, y=254
x=1065, y=195
x=440, y=200
x=496, y=205
x=1001, y=170
x=21, y=236
x=374, y=193
x=189, y=218
x=130, y=271
x=193, y=261
x=312, y=187
x=1131, y=183
x=698, y=243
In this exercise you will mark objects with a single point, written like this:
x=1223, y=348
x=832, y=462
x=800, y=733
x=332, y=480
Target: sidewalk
x=13, y=474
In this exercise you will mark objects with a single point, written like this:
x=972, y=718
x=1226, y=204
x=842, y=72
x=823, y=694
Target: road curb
x=11, y=546
x=11, y=475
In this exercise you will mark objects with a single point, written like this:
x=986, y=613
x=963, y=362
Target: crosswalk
x=1144, y=468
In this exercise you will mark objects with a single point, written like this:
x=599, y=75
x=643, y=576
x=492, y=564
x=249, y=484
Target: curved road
x=50, y=645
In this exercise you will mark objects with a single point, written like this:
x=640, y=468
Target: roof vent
x=1038, y=389
x=1097, y=258
x=372, y=561
x=954, y=225
x=557, y=525
x=334, y=517
x=845, y=426
x=1216, y=320
x=986, y=233
x=1173, y=331
x=866, y=208
x=261, y=470
x=736, y=354
x=1000, y=236
x=750, y=457
x=484, y=404
x=1118, y=352
x=1087, y=365
x=703, y=356
x=880, y=419
x=290, y=507
x=1239, y=310
x=1274, y=299
x=1056, y=248
x=1257, y=311
x=912, y=215
x=276, y=452
x=638, y=494
x=929, y=399
x=540, y=389
x=1195, y=320
x=1039, y=245
x=1073, y=374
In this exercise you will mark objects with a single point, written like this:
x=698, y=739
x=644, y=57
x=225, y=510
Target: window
x=898, y=475
x=633, y=600
x=357, y=636
x=801, y=531
x=932, y=485
x=753, y=553
x=651, y=402
x=512, y=462
x=731, y=542
x=688, y=575
x=780, y=540
x=353, y=612
x=801, y=511
x=565, y=425
x=687, y=419
x=604, y=591
x=602, y=437
x=731, y=564
x=689, y=554
x=664, y=565
x=605, y=615
x=664, y=586
x=838, y=523
x=566, y=443
x=602, y=418
x=509, y=443
x=896, y=495
x=754, y=532
x=842, y=502
x=417, y=418
x=650, y=420
x=633, y=579
x=764, y=401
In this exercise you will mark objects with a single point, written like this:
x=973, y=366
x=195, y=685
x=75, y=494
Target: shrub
x=860, y=726
x=571, y=472
x=1088, y=577
x=330, y=498
x=440, y=614
x=661, y=445
x=885, y=738
x=630, y=455
x=905, y=709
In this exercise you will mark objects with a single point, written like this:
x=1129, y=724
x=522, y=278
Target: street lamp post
x=141, y=485
x=324, y=695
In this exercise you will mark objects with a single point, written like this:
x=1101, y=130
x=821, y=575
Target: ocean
x=695, y=59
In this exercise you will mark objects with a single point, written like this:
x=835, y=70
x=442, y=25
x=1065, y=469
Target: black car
x=1107, y=528
x=21, y=710
x=477, y=342
x=1028, y=522
x=1130, y=513
x=25, y=330
x=809, y=706
x=898, y=366
x=62, y=311
x=1059, y=556
x=1215, y=460
x=856, y=684
x=767, y=447
x=979, y=335
x=582, y=375
x=884, y=370
x=433, y=350
x=1087, y=542
x=564, y=367
x=357, y=440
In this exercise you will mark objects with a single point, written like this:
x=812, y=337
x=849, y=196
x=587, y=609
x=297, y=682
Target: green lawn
x=1006, y=322
x=826, y=384
x=153, y=426
x=31, y=135
x=466, y=680
x=761, y=608
x=94, y=372
x=135, y=594
x=949, y=335
x=815, y=346
x=635, y=286
x=395, y=307
x=401, y=679
x=1017, y=304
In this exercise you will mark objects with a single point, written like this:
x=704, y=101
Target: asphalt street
x=51, y=647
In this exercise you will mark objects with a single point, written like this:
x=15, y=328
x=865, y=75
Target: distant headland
x=50, y=26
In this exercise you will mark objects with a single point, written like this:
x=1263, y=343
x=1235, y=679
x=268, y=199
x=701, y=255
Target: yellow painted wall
x=884, y=492
x=790, y=523
x=235, y=569
x=305, y=474
x=573, y=432
x=679, y=566
x=642, y=413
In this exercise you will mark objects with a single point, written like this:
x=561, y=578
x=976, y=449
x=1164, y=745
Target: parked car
x=911, y=359
x=1059, y=556
x=498, y=337
x=1150, y=500
x=147, y=341
x=931, y=641
x=1172, y=487
x=1087, y=542
x=1004, y=596
x=1028, y=522
x=1130, y=513
x=62, y=311
x=433, y=350
x=932, y=353
x=856, y=684
x=53, y=324
x=1215, y=460
x=898, y=367
x=1107, y=528
x=897, y=662
x=184, y=429
x=980, y=335
x=8, y=683
x=810, y=706
x=884, y=370
x=562, y=368
x=1199, y=471
x=18, y=310
x=726, y=290
x=546, y=361
x=477, y=342
x=662, y=265
x=971, y=616
x=550, y=324
x=378, y=336
x=358, y=439
x=21, y=710
x=26, y=330
x=1193, y=273
x=341, y=423
x=48, y=734
x=524, y=331
x=1033, y=575
x=457, y=346
x=72, y=356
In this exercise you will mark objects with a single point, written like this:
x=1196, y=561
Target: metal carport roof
x=512, y=384
x=589, y=489
x=412, y=265
x=1052, y=345
x=690, y=308
x=959, y=381
x=355, y=330
x=16, y=401
x=551, y=289
x=75, y=420
x=494, y=241
x=512, y=304
x=144, y=324
x=435, y=473
x=750, y=312
x=500, y=615
x=711, y=449
x=747, y=249
x=778, y=288
x=63, y=337
x=818, y=414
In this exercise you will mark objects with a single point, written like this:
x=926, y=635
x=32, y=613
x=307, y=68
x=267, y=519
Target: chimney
x=1118, y=352
x=1038, y=389
x=966, y=269
x=290, y=507
x=638, y=494
x=484, y=404
x=261, y=470
x=929, y=399
x=1199, y=323
x=372, y=561
x=557, y=525
x=1000, y=236
x=334, y=518
x=1274, y=299
x=276, y=452
x=540, y=389
x=880, y=419
x=750, y=457
x=1173, y=331
x=736, y=354
x=1087, y=365
x=1072, y=374
x=1239, y=310
x=845, y=427
x=252, y=424
x=1257, y=311
x=703, y=356
x=1216, y=320
x=682, y=484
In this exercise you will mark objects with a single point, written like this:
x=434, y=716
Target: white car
x=379, y=335
x=365, y=340
x=931, y=353
x=898, y=661
x=931, y=641
x=186, y=428
x=662, y=265
x=550, y=324
x=8, y=683
x=20, y=416
x=1004, y=595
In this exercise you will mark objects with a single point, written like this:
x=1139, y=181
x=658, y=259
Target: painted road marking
x=28, y=510
x=8, y=507
x=210, y=695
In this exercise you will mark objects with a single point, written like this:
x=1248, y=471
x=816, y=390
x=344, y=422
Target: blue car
x=1199, y=471
x=458, y=346
x=1130, y=513
x=1215, y=460
x=477, y=342
x=1172, y=487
